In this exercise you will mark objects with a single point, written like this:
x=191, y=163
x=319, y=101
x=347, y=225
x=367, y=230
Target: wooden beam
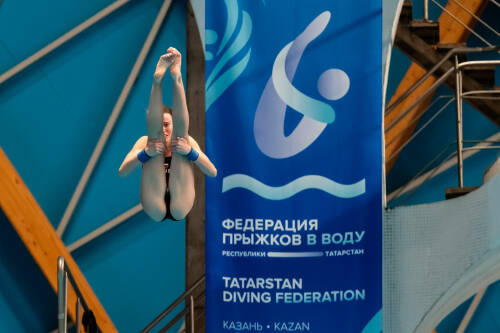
x=41, y=240
x=402, y=131
x=453, y=32
x=450, y=32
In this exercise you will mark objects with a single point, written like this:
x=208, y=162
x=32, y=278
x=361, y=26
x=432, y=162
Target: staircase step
x=455, y=192
x=426, y=30
x=406, y=13
x=444, y=48
x=484, y=74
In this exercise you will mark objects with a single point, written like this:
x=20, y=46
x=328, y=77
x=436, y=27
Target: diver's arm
x=203, y=162
x=131, y=162
x=183, y=147
x=151, y=147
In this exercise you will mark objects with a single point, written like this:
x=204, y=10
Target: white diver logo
x=269, y=120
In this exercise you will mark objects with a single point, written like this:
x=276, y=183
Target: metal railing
x=63, y=276
x=459, y=95
x=456, y=69
x=423, y=175
x=186, y=311
x=451, y=53
x=448, y=70
x=454, y=17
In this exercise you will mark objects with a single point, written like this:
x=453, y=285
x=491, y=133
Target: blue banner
x=293, y=124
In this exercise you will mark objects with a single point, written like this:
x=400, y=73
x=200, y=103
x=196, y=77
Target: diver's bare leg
x=181, y=181
x=153, y=182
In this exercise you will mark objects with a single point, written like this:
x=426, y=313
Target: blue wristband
x=143, y=156
x=193, y=155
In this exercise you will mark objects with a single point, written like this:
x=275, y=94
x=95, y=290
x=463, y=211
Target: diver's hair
x=167, y=109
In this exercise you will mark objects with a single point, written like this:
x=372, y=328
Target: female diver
x=166, y=153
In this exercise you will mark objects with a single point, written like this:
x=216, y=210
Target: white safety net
x=438, y=255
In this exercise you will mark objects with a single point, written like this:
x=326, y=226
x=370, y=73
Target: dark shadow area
x=24, y=287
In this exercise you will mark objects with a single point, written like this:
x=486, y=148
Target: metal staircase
x=448, y=64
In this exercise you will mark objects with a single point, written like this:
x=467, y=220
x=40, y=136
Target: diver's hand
x=155, y=147
x=181, y=146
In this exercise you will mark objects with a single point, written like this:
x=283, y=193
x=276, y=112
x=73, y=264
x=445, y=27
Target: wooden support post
x=195, y=222
x=41, y=240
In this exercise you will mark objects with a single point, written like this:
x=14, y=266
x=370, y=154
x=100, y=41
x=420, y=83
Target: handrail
x=412, y=122
x=477, y=18
x=420, y=178
x=396, y=152
x=63, y=275
x=436, y=84
x=173, y=305
x=452, y=52
x=479, y=94
x=462, y=23
x=459, y=96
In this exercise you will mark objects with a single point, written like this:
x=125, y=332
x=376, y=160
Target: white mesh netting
x=438, y=255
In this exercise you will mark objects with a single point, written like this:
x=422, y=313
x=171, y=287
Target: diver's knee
x=157, y=218
x=181, y=203
x=179, y=214
x=155, y=213
x=179, y=211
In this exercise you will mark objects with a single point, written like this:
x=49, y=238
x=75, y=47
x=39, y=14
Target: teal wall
x=51, y=117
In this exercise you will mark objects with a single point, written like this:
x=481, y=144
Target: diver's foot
x=175, y=68
x=163, y=64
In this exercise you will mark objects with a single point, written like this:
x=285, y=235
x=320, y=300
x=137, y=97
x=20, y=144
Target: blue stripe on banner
x=293, y=124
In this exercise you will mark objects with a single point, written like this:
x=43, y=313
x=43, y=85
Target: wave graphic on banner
x=216, y=87
x=294, y=187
